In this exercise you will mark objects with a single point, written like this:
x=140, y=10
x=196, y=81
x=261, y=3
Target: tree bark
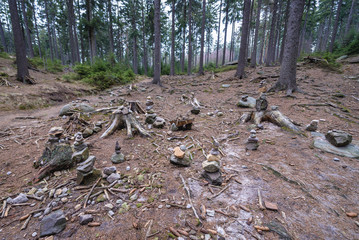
x=201, y=72
x=225, y=35
x=243, y=48
x=36, y=28
x=157, y=53
x=271, y=44
x=172, y=70
x=254, y=52
x=350, y=18
x=303, y=31
x=231, y=50
x=83, y=50
x=218, y=31
x=277, y=32
x=110, y=32
x=91, y=31
x=2, y=37
x=70, y=9
x=27, y=30
x=264, y=35
x=21, y=60
x=189, y=68
x=49, y=30
x=335, y=28
x=285, y=31
x=184, y=36
x=287, y=78
x=145, y=58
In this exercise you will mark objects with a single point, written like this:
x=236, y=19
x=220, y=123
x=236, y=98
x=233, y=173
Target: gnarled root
x=122, y=118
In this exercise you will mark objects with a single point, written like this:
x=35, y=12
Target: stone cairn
x=181, y=156
x=151, y=116
x=81, y=156
x=252, y=142
x=211, y=166
x=118, y=156
x=313, y=126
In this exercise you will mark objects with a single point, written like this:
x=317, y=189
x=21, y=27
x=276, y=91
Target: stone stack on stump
x=181, y=156
x=252, y=142
x=118, y=156
x=80, y=149
x=211, y=166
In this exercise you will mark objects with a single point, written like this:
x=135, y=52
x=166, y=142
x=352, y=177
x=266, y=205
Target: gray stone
x=85, y=219
x=184, y=162
x=109, y=170
x=313, y=126
x=86, y=166
x=97, y=129
x=211, y=167
x=210, y=213
x=159, y=123
x=336, y=159
x=118, y=158
x=195, y=110
x=87, y=132
x=247, y=102
x=111, y=213
x=226, y=85
x=113, y=177
x=81, y=156
x=338, y=138
x=71, y=108
x=213, y=178
x=52, y=223
x=21, y=198
x=150, y=118
x=34, y=234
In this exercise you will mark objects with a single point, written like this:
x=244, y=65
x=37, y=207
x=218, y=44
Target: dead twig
x=260, y=200
x=219, y=193
x=149, y=229
x=189, y=197
x=88, y=196
x=24, y=226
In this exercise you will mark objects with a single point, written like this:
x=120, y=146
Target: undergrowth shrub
x=4, y=55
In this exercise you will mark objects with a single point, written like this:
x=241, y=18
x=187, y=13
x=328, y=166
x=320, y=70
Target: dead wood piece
x=246, y=116
x=24, y=226
x=3, y=209
x=278, y=118
x=189, y=197
x=174, y=231
x=219, y=193
x=149, y=229
x=260, y=200
x=88, y=195
x=134, y=106
x=123, y=118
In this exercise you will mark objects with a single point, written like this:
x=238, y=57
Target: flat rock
x=109, y=170
x=118, y=158
x=71, y=108
x=113, y=177
x=87, y=165
x=250, y=103
x=81, y=156
x=178, y=152
x=211, y=158
x=338, y=138
x=159, y=123
x=87, y=132
x=271, y=206
x=53, y=223
x=351, y=150
x=21, y=198
x=184, y=162
x=211, y=167
x=213, y=178
x=85, y=219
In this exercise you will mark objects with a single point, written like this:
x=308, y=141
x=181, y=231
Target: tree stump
x=123, y=118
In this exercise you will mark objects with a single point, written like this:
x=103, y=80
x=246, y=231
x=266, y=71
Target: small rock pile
x=181, y=156
x=252, y=142
x=313, y=126
x=85, y=169
x=211, y=166
x=151, y=116
x=118, y=156
x=80, y=149
x=110, y=174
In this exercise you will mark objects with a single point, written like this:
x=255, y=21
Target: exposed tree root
x=123, y=118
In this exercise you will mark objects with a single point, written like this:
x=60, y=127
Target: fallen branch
x=88, y=195
x=189, y=198
x=24, y=226
x=260, y=200
x=219, y=193
x=149, y=229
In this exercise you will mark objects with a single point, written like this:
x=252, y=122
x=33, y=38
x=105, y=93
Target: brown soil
x=312, y=191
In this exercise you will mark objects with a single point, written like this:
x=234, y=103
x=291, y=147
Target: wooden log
x=279, y=119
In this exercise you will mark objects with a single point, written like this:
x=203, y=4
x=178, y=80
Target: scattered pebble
x=210, y=213
x=111, y=213
x=188, y=206
x=271, y=206
x=160, y=206
x=128, y=168
x=336, y=159
x=8, y=173
x=34, y=234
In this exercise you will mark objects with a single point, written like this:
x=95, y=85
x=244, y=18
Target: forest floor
x=312, y=191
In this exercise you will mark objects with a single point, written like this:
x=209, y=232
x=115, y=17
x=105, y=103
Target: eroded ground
x=313, y=192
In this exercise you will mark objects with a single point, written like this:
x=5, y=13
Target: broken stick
x=189, y=198
x=219, y=193
x=88, y=195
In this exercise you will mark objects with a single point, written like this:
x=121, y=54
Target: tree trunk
x=91, y=31
x=254, y=51
x=145, y=60
x=285, y=31
x=184, y=37
x=56, y=51
x=303, y=31
x=2, y=38
x=287, y=78
x=76, y=41
x=27, y=30
x=329, y=24
x=225, y=35
x=37, y=30
x=172, y=70
x=21, y=60
x=350, y=18
x=70, y=9
x=83, y=51
x=335, y=28
x=271, y=44
x=243, y=48
x=277, y=32
x=201, y=72
x=264, y=36
x=49, y=30
x=110, y=32
x=231, y=50
x=218, y=31
x=157, y=53
x=189, y=69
